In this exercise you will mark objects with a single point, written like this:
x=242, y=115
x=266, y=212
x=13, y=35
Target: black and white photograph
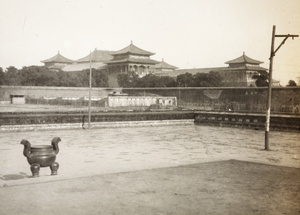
x=146, y=107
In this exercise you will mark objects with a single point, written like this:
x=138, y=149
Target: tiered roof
x=132, y=54
x=133, y=60
x=245, y=63
x=132, y=49
x=57, y=59
x=243, y=60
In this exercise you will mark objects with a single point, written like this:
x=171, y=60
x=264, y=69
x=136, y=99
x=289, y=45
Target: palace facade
x=238, y=73
x=126, y=60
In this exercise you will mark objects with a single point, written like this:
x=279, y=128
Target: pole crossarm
x=286, y=37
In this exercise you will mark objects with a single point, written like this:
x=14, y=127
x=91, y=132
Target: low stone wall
x=256, y=121
x=36, y=127
x=79, y=120
x=7, y=119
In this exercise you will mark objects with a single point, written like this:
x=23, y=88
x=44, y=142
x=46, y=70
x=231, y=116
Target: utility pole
x=272, y=55
x=90, y=89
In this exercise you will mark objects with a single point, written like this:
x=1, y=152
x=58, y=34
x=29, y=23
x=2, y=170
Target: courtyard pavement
x=187, y=170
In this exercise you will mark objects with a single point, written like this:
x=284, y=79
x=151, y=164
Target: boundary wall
x=285, y=100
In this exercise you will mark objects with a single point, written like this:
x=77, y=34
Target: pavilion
x=57, y=62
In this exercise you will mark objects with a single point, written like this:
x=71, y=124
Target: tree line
x=42, y=76
x=211, y=79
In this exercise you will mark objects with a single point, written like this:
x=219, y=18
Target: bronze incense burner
x=41, y=156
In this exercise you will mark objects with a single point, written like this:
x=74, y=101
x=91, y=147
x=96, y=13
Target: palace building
x=126, y=60
x=238, y=73
x=132, y=59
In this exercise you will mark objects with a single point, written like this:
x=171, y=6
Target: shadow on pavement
x=10, y=177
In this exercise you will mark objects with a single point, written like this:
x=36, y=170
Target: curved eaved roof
x=164, y=65
x=97, y=56
x=133, y=60
x=132, y=49
x=244, y=59
x=58, y=59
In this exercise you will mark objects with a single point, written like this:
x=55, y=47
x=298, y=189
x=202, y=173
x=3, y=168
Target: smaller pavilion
x=162, y=68
x=57, y=62
x=241, y=70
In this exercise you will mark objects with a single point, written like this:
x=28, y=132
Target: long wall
x=244, y=99
x=53, y=92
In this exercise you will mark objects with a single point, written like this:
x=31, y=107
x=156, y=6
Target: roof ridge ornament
x=245, y=59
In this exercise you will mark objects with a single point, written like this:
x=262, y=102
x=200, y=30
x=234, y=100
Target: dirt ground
x=222, y=187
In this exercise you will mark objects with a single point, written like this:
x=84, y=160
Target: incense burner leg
x=35, y=169
x=54, y=168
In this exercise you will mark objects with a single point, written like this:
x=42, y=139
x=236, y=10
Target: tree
x=167, y=81
x=200, y=80
x=214, y=79
x=101, y=78
x=291, y=83
x=2, y=76
x=149, y=80
x=211, y=79
x=185, y=80
x=127, y=79
x=12, y=76
x=37, y=76
x=262, y=79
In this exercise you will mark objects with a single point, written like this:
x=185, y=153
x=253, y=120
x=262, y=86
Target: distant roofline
x=58, y=58
x=132, y=49
x=95, y=56
x=243, y=59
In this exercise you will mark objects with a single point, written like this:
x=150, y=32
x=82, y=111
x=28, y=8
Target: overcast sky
x=186, y=33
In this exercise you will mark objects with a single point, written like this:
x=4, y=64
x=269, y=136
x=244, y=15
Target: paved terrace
x=180, y=169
